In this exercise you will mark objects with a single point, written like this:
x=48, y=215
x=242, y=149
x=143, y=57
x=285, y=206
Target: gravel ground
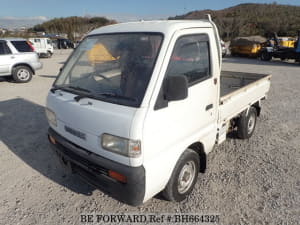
x=256, y=181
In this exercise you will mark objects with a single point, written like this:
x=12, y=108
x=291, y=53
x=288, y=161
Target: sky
x=37, y=11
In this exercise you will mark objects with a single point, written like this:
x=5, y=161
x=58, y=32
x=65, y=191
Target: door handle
x=208, y=107
x=12, y=57
x=215, y=81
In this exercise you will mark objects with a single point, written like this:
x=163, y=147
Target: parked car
x=54, y=43
x=42, y=46
x=144, y=125
x=18, y=59
x=63, y=43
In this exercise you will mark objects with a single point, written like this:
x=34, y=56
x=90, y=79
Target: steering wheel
x=100, y=75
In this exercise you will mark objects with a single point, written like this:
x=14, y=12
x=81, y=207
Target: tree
x=72, y=25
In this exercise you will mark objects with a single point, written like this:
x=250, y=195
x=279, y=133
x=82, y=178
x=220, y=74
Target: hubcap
x=23, y=74
x=186, y=177
x=251, y=123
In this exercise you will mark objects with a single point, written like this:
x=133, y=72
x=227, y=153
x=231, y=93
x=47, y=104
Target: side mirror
x=176, y=88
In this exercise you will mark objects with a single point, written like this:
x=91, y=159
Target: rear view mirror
x=176, y=88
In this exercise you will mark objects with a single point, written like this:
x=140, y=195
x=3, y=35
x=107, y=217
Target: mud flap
x=222, y=132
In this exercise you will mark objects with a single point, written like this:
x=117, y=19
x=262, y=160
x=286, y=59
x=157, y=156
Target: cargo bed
x=240, y=90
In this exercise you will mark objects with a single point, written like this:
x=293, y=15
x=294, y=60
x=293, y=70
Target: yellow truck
x=247, y=46
x=253, y=45
x=248, y=50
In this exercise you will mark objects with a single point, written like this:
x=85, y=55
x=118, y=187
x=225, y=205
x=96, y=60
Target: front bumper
x=94, y=169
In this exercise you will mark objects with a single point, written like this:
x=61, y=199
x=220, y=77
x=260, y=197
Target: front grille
x=75, y=133
x=77, y=159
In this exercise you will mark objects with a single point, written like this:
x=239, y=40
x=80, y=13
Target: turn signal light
x=117, y=176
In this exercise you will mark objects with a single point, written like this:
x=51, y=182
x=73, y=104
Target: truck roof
x=161, y=26
x=38, y=38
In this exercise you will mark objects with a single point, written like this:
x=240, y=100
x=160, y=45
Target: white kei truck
x=141, y=118
x=42, y=46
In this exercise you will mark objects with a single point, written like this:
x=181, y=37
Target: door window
x=191, y=58
x=4, y=50
x=22, y=46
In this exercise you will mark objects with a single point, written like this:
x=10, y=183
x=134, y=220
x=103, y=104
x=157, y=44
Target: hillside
x=72, y=25
x=252, y=19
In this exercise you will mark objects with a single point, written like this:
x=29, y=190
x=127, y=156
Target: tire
x=246, y=124
x=22, y=74
x=48, y=54
x=187, y=167
x=265, y=56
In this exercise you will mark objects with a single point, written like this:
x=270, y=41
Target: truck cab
x=141, y=118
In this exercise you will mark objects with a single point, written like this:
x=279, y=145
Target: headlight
x=51, y=117
x=121, y=146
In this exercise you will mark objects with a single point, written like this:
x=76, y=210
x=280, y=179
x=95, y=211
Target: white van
x=42, y=46
x=140, y=117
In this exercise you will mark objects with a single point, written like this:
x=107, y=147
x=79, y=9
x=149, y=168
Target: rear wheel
x=22, y=74
x=183, y=178
x=246, y=123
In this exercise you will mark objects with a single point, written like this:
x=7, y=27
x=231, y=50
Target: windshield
x=113, y=67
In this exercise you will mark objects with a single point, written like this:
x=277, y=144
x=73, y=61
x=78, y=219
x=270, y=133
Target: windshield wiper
x=78, y=97
x=114, y=95
x=53, y=89
x=77, y=88
x=62, y=87
x=105, y=94
x=88, y=93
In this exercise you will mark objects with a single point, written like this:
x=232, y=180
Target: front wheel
x=184, y=177
x=22, y=74
x=48, y=54
x=265, y=56
x=246, y=123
